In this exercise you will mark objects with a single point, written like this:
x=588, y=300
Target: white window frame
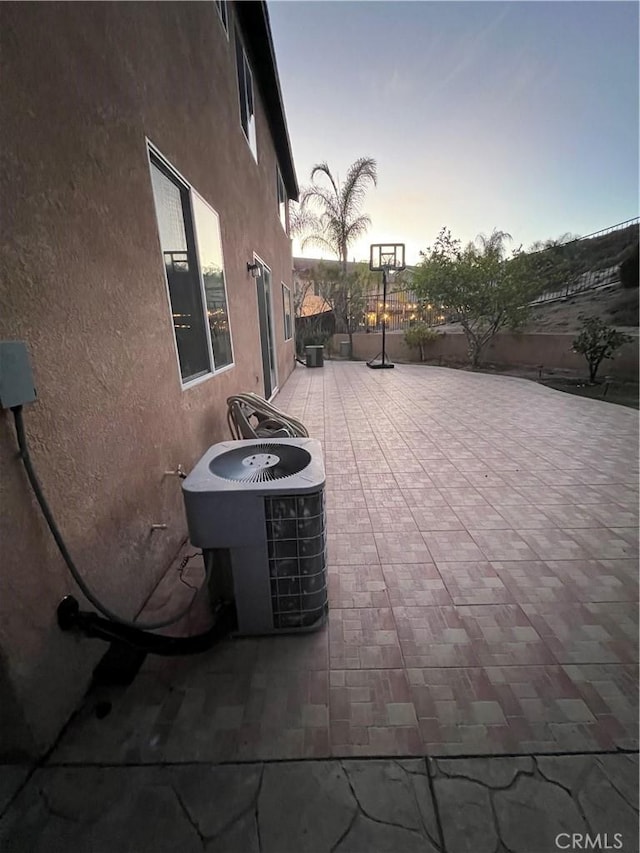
x=216, y=370
x=286, y=297
x=223, y=13
x=155, y=153
x=248, y=78
x=282, y=199
x=271, y=319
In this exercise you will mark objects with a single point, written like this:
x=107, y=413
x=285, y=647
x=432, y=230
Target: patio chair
x=250, y=416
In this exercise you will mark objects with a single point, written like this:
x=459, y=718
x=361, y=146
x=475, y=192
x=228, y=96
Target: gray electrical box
x=16, y=378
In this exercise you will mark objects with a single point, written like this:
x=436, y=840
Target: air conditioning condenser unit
x=261, y=505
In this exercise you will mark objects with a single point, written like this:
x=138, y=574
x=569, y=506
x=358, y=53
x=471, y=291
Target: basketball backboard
x=387, y=257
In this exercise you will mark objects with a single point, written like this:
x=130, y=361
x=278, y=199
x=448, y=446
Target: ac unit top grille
x=260, y=463
x=236, y=472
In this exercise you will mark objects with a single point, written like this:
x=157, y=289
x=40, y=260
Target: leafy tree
x=596, y=340
x=419, y=336
x=329, y=216
x=346, y=294
x=477, y=283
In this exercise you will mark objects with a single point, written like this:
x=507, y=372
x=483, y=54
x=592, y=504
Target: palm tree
x=332, y=213
x=300, y=220
x=493, y=245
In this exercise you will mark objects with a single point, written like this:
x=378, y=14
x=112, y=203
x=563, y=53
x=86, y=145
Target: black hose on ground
x=115, y=623
x=71, y=618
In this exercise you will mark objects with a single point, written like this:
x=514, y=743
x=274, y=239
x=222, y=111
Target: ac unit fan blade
x=260, y=462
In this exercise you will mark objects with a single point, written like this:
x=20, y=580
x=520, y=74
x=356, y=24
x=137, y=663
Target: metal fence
x=401, y=310
x=589, y=265
x=598, y=279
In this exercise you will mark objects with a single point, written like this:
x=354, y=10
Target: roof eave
x=256, y=29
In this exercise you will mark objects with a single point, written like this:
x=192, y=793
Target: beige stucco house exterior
x=145, y=164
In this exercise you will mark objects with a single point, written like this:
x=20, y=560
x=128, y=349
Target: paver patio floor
x=483, y=588
x=483, y=568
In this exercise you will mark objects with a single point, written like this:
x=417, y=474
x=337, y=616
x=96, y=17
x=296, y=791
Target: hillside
x=594, y=263
x=614, y=305
x=591, y=262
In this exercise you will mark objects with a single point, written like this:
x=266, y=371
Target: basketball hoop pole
x=383, y=258
x=383, y=363
x=384, y=318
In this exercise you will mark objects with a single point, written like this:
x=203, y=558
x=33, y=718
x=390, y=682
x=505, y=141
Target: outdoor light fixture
x=385, y=258
x=254, y=269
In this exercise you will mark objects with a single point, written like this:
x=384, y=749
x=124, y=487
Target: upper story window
x=245, y=93
x=191, y=247
x=282, y=199
x=223, y=10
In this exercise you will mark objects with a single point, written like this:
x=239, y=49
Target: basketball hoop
x=385, y=258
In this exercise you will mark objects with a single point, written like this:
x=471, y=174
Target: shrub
x=418, y=336
x=596, y=340
x=629, y=269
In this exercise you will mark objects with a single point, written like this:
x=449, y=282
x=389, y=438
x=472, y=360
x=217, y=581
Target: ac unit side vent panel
x=296, y=543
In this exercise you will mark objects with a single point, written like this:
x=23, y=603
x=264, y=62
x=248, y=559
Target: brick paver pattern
x=483, y=562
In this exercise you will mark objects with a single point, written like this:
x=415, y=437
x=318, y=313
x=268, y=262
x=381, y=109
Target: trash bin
x=345, y=349
x=315, y=356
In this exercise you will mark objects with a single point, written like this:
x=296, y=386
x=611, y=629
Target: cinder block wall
x=553, y=351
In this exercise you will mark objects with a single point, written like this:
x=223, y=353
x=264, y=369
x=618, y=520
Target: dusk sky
x=518, y=115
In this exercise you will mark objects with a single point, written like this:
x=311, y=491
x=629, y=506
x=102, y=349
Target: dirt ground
x=616, y=306
x=622, y=393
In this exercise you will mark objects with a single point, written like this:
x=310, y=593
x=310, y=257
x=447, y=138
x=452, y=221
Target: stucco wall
x=509, y=350
x=82, y=282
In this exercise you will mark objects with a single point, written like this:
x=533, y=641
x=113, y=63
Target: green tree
x=346, y=294
x=486, y=290
x=329, y=215
x=596, y=340
x=419, y=336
